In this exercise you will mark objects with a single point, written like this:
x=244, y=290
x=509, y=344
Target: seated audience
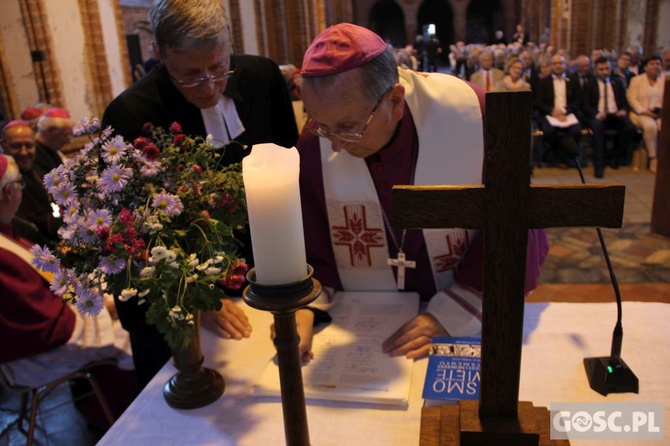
x=44, y=338
x=556, y=103
x=18, y=141
x=513, y=80
x=487, y=76
x=605, y=107
x=645, y=96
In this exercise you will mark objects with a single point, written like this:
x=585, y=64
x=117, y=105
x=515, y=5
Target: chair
x=39, y=391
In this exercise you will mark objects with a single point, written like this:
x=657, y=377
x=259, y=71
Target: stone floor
x=574, y=271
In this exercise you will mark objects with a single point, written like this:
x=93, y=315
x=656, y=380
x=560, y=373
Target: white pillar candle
x=275, y=218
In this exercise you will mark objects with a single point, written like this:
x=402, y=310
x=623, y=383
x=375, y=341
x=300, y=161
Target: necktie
x=605, y=92
x=488, y=81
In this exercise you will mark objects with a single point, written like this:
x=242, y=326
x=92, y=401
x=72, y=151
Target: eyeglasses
x=191, y=83
x=219, y=75
x=18, y=145
x=22, y=182
x=347, y=136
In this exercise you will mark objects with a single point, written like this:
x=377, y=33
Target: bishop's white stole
x=448, y=120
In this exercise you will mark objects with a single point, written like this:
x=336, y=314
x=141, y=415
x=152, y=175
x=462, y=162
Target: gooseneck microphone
x=610, y=374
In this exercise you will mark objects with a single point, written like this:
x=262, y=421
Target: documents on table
x=348, y=363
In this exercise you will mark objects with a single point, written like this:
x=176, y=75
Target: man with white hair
x=54, y=131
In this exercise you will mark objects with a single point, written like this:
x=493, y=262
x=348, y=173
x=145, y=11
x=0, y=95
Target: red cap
x=55, y=117
x=340, y=48
x=15, y=123
x=3, y=165
x=31, y=113
x=57, y=112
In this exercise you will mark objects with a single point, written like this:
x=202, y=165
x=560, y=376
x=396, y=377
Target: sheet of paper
x=348, y=363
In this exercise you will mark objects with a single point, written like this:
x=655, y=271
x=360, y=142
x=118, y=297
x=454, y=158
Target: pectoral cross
x=401, y=263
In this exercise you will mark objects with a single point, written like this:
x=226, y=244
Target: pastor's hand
x=304, y=321
x=414, y=337
x=229, y=322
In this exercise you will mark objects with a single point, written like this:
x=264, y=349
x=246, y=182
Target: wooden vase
x=193, y=385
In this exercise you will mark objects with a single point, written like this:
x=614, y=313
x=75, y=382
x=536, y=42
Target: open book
x=348, y=363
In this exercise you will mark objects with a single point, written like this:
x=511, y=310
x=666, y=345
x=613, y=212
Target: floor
x=574, y=271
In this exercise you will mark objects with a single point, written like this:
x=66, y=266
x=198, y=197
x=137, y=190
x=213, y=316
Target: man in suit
x=582, y=76
x=530, y=72
x=605, y=107
x=238, y=99
x=556, y=103
x=622, y=72
x=487, y=76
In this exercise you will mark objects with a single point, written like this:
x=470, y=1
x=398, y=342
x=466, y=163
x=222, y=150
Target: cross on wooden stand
x=505, y=207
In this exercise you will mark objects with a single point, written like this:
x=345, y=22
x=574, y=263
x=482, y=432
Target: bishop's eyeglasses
x=347, y=136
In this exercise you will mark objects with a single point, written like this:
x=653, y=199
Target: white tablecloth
x=557, y=338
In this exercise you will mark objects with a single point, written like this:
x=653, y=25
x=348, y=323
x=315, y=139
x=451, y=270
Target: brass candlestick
x=283, y=301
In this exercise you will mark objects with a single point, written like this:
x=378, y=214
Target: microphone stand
x=610, y=374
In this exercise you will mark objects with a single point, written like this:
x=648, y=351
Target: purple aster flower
x=89, y=304
x=44, y=259
x=109, y=265
x=86, y=126
x=65, y=194
x=61, y=282
x=168, y=203
x=114, y=178
x=100, y=217
x=55, y=178
x=114, y=150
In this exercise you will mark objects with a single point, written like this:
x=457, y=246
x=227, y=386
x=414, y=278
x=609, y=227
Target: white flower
x=127, y=294
x=158, y=253
x=147, y=271
x=212, y=270
x=192, y=278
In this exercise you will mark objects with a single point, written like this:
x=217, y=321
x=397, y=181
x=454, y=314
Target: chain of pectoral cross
x=400, y=261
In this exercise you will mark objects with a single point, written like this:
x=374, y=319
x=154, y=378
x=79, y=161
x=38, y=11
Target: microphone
x=610, y=374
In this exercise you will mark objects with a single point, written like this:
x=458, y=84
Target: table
x=557, y=337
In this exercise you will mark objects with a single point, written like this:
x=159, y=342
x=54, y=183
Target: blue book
x=453, y=369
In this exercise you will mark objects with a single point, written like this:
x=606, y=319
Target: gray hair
x=377, y=77
x=11, y=174
x=189, y=24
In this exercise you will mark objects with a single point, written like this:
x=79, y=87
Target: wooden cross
x=402, y=263
x=505, y=207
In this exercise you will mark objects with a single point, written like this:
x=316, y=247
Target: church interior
x=81, y=54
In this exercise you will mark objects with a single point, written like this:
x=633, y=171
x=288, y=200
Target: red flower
x=181, y=167
x=151, y=152
x=240, y=268
x=126, y=217
x=205, y=213
x=175, y=127
x=197, y=169
x=102, y=232
x=178, y=140
x=147, y=126
x=114, y=242
x=233, y=281
x=141, y=142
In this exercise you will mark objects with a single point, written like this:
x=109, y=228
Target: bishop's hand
x=413, y=338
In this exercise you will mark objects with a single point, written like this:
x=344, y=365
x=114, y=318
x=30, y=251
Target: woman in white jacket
x=645, y=97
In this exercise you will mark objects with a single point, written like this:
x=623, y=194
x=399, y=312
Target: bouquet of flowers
x=151, y=221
